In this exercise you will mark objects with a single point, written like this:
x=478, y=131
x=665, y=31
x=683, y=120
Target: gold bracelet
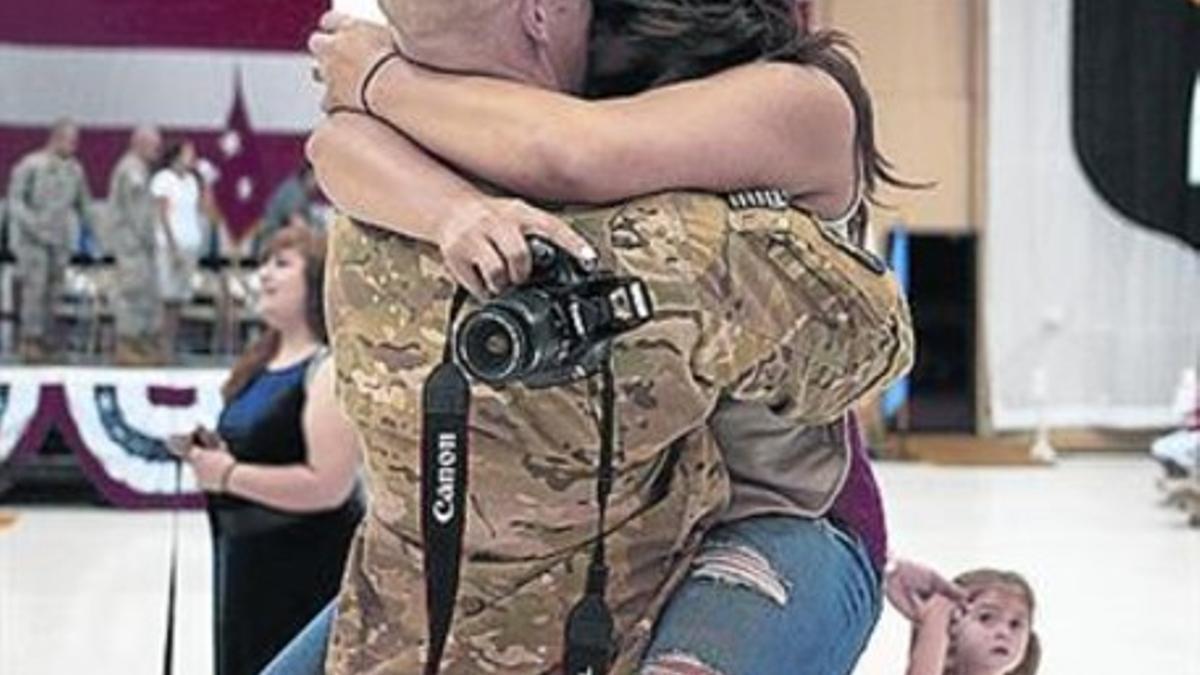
x=226, y=475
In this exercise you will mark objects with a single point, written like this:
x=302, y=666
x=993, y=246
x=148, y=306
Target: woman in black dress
x=281, y=471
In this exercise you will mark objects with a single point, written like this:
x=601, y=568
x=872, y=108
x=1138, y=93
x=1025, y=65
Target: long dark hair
x=667, y=41
x=311, y=245
x=170, y=152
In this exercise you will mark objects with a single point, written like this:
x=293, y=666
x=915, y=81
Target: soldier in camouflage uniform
x=133, y=222
x=731, y=307
x=759, y=304
x=48, y=196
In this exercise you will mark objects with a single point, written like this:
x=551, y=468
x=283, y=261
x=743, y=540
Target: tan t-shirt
x=776, y=466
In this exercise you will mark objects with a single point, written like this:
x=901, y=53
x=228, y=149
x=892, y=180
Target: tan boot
x=140, y=352
x=33, y=351
x=127, y=352
x=151, y=352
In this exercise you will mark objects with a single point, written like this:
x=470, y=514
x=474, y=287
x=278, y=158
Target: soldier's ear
x=802, y=14
x=535, y=20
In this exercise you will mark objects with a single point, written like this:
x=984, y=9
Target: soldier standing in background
x=48, y=196
x=132, y=240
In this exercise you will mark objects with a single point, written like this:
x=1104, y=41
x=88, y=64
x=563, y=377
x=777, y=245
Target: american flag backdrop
x=229, y=74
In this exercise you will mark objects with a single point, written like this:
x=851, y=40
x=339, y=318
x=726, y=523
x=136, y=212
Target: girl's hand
x=483, y=243
x=939, y=610
x=345, y=49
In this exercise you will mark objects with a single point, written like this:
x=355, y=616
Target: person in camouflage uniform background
x=133, y=220
x=758, y=303
x=48, y=196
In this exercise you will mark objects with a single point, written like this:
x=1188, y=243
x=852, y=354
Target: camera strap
x=446, y=401
x=446, y=397
x=589, y=645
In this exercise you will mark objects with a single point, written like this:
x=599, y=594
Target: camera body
x=555, y=328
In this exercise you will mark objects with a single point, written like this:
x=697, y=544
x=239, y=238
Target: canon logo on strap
x=447, y=468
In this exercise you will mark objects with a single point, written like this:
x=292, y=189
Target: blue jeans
x=771, y=595
x=767, y=595
x=305, y=654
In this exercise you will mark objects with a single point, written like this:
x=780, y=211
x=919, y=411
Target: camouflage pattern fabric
x=741, y=307
x=47, y=194
x=134, y=219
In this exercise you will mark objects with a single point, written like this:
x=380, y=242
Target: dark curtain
x=1134, y=74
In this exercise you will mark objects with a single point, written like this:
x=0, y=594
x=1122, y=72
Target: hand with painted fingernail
x=484, y=246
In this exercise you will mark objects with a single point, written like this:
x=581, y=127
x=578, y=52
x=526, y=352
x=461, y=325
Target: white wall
x=1111, y=311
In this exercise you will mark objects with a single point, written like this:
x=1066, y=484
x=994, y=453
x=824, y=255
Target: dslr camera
x=555, y=328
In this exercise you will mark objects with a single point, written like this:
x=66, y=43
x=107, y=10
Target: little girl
x=991, y=634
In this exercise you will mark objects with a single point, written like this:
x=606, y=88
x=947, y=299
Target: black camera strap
x=588, y=641
x=446, y=401
x=446, y=396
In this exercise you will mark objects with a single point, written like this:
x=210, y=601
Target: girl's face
x=994, y=634
x=284, y=296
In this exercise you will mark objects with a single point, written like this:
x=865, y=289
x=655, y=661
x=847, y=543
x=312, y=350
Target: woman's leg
x=305, y=654
x=769, y=595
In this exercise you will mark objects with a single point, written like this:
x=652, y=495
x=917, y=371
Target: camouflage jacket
x=757, y=304
x=133, y=213
x=47, y=195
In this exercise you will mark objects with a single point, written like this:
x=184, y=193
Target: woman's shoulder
x=319, y=365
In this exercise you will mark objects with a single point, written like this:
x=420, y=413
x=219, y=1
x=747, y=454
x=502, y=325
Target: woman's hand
x=211, y=466
x=910, y=587
x=483, y=243
x=344, y=49
x=939, y=611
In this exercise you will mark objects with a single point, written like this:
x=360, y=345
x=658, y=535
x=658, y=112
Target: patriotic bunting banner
x=115, y=421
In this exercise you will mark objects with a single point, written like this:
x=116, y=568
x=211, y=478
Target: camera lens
x=498, y=346
x=492, y=345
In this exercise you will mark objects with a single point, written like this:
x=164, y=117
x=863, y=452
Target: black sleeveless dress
x=273, y=570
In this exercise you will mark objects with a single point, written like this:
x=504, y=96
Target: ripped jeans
x=767, y=595
x=770, y=595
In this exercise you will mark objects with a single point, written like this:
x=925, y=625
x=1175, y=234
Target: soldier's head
x=64, y=138
x=145, y=142
x=540, y=42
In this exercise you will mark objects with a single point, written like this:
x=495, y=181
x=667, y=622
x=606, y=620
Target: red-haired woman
x=281, y=470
